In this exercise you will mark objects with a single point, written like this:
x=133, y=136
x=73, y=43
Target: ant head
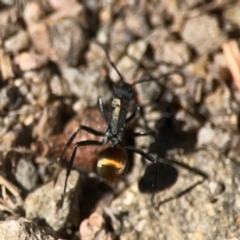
x=123, y=91
x=112, y=164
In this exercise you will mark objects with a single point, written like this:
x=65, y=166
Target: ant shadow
x=170, y=137
x=168, y=178
x=94, y=191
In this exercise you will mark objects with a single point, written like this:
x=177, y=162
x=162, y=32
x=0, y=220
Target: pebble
x=136, y=23
x=17, y=42
x=42, y=203
x=232, y=14
x=29, y=60
x=81, y=83
x=208, y=36
x=24, y=229
x=94, y=228
x=6, y=69
x=60, y=37
x=26, y=174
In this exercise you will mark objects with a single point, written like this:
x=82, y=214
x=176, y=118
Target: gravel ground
x=53, y=68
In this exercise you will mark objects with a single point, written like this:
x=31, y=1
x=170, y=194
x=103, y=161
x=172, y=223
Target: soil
x=182, y=61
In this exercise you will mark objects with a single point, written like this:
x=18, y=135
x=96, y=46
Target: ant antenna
x=110, y=61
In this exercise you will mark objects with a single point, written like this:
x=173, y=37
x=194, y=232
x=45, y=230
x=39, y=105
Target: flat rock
x=23, y=229
x=42, y=203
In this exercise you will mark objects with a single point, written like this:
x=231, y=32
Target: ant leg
x=143, y=80
x=183, y=165
x=142, y=153
x=87, y=129
x=173, y=163
x=168, y=162
x=133, y=115
x=100, y=104
x=59, y=160
x=150, y=133
x=151, y=159
x=156, y=180
x=78, y=144
x=188, y=189
x=139, y=134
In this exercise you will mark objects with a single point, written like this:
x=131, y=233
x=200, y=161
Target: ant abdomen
x=112, y=164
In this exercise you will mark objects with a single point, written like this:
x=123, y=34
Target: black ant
x=112, y=163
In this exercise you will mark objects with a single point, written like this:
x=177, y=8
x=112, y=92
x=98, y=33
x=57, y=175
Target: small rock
x=61, y=4
x=60, y=36
x=33, y=12
x=38, y=87
x=137, y=49
x=57, y=86
x=232, y=14
x=6, y=69
x=5, y=99
x=94, y=228
x=208, y=37
x=205, y=135
x=68, y=40
x=194, y=86
x=157, y=37
x=42, y=203
x=147, y=92
x=166, y=50
x=217, y=137
x=127, y=67
x=128, y=64
x=105, y=16
x=103, y=33
x=87, y=84
x=26, y=174
x=17, y=42
x=136, y=23
x=187, y=121
x=234, y=152
x=24, y=229
x=8, y=23
x=11, y=98
x=197, y=69
x=49, y=122
x=218, y=104
x=219, y=68
x=95, y=56
x=222, y=139
x=8, y=140
x=119, y=35
x=152, y=116
x=30, y=60
x=177, y=79
x=189, y=4
x=160, y=12
x=172, y=52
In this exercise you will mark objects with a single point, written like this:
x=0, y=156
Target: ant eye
x=112, y=164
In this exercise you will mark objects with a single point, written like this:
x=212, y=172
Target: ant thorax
x=117, y=121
